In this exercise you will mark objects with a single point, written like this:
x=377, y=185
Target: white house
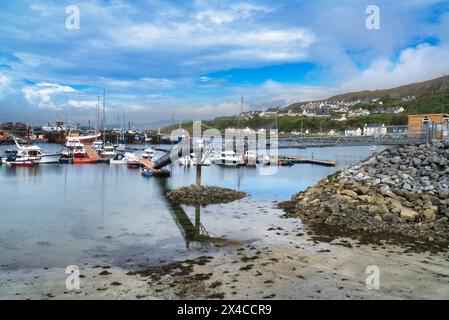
x=359, y=112
x=374, y=130
x=353, y=132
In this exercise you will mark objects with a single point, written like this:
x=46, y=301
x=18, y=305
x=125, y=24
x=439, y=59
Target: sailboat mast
x=97, y=127
x=104, y=116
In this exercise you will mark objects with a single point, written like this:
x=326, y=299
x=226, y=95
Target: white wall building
x=374, y=130
x=353, y=132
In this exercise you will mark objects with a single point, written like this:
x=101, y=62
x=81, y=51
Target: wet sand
x=286, y=264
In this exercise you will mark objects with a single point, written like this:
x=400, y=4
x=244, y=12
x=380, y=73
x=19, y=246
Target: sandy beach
x=286, y=264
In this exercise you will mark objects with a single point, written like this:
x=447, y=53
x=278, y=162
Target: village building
x=436, y=124
x=353, y=132
x=374, y=130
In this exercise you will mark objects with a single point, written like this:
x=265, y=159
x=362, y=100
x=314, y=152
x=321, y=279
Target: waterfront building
x=437, y=122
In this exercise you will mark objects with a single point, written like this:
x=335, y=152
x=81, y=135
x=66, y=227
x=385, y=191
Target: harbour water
x=59, y=215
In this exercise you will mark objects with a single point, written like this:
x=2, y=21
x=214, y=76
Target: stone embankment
x=400, y=192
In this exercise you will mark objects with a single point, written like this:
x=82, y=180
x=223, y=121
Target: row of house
x=367, y=130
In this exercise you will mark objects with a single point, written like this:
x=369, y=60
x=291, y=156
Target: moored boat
x=148, y=153
x=84, y=161
x=20, y=164
x=228, y=158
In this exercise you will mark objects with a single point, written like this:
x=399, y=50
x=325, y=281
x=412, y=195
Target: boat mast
x=97, y=128
x=104, y=116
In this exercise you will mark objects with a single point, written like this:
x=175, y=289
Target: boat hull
x=20, y=164
x=133, y=165
x=50, y=159
x=84, y=161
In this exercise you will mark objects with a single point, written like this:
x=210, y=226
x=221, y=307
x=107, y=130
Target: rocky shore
x=204, y=195
x=398, y=194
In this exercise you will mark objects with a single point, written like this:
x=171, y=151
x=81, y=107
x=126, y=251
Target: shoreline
x=289, y=262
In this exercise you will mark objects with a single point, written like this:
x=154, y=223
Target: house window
x=425, y=121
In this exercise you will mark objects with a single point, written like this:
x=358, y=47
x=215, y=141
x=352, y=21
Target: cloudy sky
x=197, y=57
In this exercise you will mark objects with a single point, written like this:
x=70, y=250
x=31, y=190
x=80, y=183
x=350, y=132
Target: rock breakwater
x=402, y=191
x=204, y=195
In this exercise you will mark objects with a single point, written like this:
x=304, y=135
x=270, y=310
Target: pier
x=326, y=163
x=92, y=154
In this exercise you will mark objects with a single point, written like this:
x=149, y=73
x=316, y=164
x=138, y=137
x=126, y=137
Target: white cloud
x=82, y=104
x=414, y=65
x=4, y=80
x=42, y=94
x=4, y=84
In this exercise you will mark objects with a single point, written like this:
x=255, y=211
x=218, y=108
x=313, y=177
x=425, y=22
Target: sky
x=194, y=59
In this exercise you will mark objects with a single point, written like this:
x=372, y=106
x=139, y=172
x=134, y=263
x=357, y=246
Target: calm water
x=56, y=215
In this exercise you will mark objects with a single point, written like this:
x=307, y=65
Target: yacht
x=121, y=158
x=108, y=152
x=228, y=158
x=35, y=154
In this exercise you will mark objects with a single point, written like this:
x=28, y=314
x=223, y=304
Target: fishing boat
x=88, y=139
x=229, y=159
x=73, y=149
x=39, y=139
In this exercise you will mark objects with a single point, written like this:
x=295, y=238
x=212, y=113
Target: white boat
x=120, y=148
x=35, y=154
x=264, y=158
x=373, y=148
x=124, y=158
x=228, y=158
x=73, y=149
x=108, y=152
x=148, y=153
x=250, y=158
x=188, y=161
x=83, y=139
x=98, y=145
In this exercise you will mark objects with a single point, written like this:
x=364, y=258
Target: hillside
x=429, y=97
x=415, y=89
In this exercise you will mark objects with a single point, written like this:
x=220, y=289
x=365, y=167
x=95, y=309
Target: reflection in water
x=194, y=233
x=112, y=213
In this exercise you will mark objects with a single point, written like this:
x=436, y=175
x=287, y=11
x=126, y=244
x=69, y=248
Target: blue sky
x=197, y=57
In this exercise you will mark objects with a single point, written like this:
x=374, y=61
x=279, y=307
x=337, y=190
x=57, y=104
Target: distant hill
x=415, y=89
